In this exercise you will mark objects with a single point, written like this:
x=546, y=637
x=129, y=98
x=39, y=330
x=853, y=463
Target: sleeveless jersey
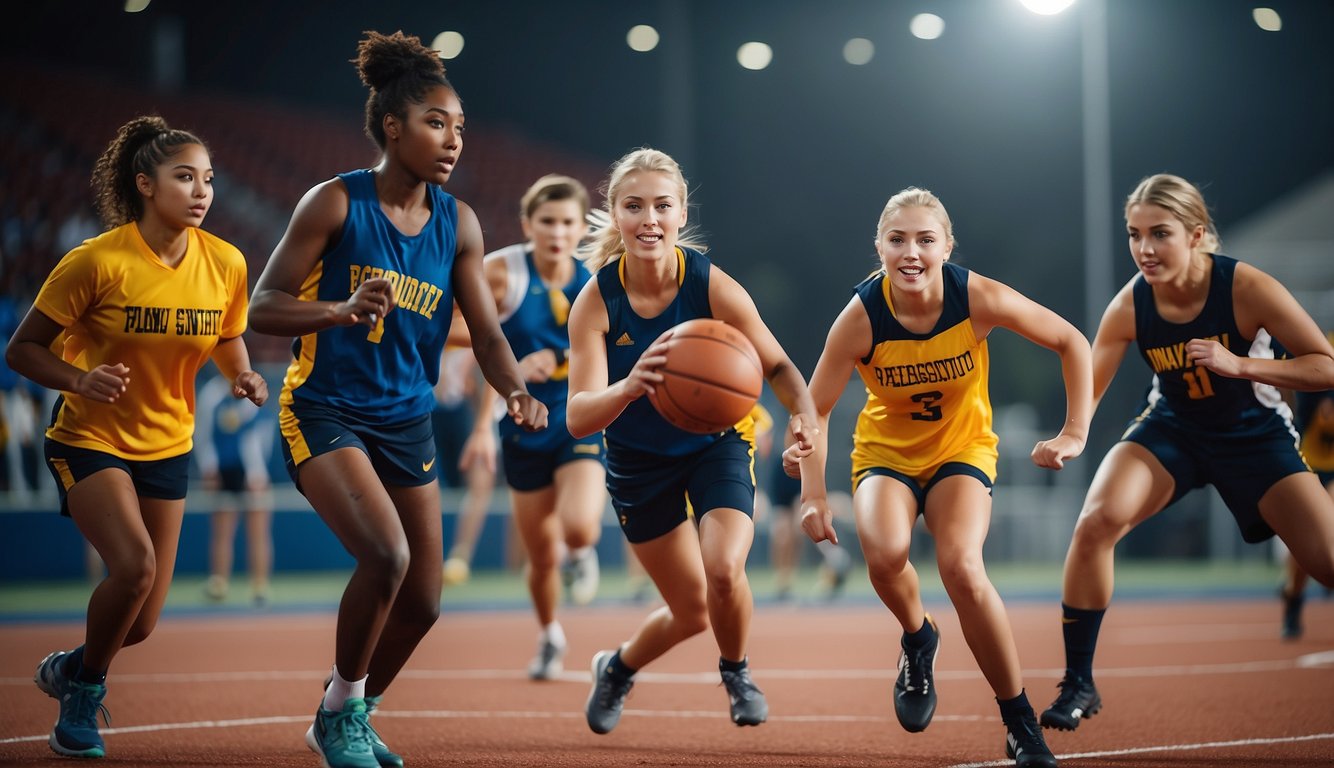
x=385, y=374
x=1191, y=393
x=640, y=427
x=536, y=319
x=119, y=303
x=926, y=393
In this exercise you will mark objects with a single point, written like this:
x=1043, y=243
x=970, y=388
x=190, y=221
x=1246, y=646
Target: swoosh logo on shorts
x=426, y=465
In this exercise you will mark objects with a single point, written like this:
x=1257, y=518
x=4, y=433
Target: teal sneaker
x=343, y=739
x=75, y=733
x=383, y=756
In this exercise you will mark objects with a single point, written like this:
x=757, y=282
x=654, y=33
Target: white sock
x=580, y=553
x=554, y=634
x=340, y=690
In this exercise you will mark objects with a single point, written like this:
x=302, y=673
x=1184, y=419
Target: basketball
x=711, y=379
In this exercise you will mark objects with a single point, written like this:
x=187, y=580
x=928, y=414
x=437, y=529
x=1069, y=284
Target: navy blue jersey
x=383, y=374
x=1191, y=393
x=539, y=322
x=640, y=427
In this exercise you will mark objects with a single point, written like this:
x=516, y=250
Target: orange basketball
x=711, y=379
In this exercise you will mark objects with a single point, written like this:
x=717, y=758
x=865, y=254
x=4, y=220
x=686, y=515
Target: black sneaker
x=1078, y=699
x=915, y=688
x=607, y=698
x=1024, y=743
x=1292, y=614
x=748, y=704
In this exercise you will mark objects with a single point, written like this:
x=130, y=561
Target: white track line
x=1164, y=748
x=1307, y=661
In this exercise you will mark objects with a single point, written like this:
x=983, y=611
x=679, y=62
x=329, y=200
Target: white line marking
x=1164, y=748
x=1307, y=661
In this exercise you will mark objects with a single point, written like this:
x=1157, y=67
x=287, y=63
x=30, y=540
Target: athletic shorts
x=784, y=492
x=649, y=491
x=1242, y=465
x=921, y=486
x=402, y=454
x=158, y=479
x=529, y=470
x=451, y=424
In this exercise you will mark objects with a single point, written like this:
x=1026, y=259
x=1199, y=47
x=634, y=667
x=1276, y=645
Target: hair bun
x=382, y=59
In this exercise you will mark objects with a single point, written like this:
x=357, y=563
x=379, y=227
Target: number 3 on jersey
x=930, y=411
x=1198, y=385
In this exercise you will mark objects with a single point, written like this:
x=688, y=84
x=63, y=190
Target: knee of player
x=885, y=561
x=963, y=574
x=134, y=573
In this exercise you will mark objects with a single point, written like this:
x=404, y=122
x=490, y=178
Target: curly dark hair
x=140, y=146
x=399, y=70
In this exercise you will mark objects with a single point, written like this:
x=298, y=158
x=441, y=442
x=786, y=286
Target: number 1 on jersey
x=1198, y=385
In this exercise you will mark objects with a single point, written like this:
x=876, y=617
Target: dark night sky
x=791, y=165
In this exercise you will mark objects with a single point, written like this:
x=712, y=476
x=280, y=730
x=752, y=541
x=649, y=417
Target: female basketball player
x=916, y=331
x=365, y=276
x=648, y=279
x=556, y=481
x=142, y=307
x=1203, y=323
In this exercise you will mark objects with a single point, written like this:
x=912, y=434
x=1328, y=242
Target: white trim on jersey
x=516, y=278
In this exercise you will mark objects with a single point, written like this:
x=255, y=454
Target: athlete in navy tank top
x=1203, y=323
x=365, y=275
x=648, y=279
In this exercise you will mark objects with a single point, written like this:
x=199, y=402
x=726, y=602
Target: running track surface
x=1184, y=685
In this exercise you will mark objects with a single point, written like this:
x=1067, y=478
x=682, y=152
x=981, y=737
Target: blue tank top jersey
x=1191, y=393
x=640, y=427
x=540, y=323
x=383, y=374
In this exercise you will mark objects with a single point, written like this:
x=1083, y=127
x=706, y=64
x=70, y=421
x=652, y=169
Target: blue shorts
x=529, y=470
x=451, y=424
x=919, y=491
x=158, y=479
x=649, y=491
x=1242, y=465
x=784, y=492
x=402, y=454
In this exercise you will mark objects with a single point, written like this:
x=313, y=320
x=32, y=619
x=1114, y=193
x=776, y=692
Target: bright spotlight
x=858, y=51
x=926, y=26
x=134, y=6
x=1047, y=7
x=448, y=44
x=754, y=55
x=642, y=38
x=1267, y=19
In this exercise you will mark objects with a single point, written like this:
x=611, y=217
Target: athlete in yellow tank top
x=916, y=333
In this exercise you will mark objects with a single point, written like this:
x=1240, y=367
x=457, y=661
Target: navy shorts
x=529, y=470
x=231, y=480
x=784, y=492
x=158, y=479
x=948, y=469
x=452, y=424
x=649, y=491
x=1242, y=465
x=402, y=454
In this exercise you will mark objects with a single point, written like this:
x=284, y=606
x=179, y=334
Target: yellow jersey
x=926, y=393
x=119, y=303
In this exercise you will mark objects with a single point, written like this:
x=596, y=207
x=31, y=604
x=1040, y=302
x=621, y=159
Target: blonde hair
x=914, y=197
x=553, y=187
x=1181, y=199
x=604, y=242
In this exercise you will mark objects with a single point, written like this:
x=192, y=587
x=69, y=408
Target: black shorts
x=529, y=470
x=649, y=491
x=157, y=479
x=784, y=492
x=452, y=424
x=402, y=454
x=948, y=469
x=1242, y=465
